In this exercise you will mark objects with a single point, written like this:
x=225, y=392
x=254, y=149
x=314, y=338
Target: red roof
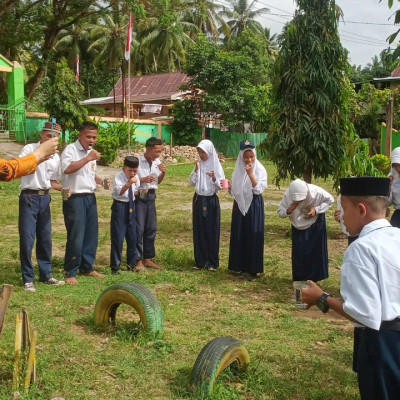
x=396, y=72
x=151, y=87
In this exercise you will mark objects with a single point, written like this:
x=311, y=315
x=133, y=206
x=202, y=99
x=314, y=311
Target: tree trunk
x=307, y=175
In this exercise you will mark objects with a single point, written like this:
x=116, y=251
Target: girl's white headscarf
x=242, y=189
x=211, y=164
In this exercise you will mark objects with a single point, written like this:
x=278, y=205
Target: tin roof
x=150, y=87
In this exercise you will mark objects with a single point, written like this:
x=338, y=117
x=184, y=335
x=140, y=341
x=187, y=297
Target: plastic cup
x=225, y=183
x=106, y=183
x=297, y=286
x=64, y=193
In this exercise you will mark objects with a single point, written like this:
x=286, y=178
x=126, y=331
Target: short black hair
x=88, y=125
x=151, y=142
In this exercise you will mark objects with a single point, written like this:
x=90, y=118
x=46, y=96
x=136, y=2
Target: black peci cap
x=131, y=162
x=364, y=186
x=246, y=144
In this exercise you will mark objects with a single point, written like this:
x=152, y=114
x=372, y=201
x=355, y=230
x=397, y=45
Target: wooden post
x=5, y=294
x=170, y=144
x=159, y=130
x=30, y=375
x=389, y=126
x=17, y=352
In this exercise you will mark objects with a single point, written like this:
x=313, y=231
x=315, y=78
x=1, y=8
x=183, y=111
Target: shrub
x=382, y=163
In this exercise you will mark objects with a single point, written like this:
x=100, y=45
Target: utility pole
x=389, y=126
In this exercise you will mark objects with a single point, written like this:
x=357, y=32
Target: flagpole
x=129, y=102
x=128, y=58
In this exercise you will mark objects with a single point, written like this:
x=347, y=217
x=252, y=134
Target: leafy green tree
x=63, y=99
x=185, y=126
x=370, y=110
x=232, y=84
x=379, y=67
x=310, y=95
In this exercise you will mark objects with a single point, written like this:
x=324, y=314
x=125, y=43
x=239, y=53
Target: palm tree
x=272, y=45
x=109, y=39
x=242, y=16
x=73, y=42
x=165, y=38
x=204, y=14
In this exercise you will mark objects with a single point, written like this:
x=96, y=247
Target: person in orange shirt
x=15, y=168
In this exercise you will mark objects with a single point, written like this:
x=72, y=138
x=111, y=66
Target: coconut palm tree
x=165, y=38
x=109, y=39
x=241, y=15
x=73, y=41
x=205, y=15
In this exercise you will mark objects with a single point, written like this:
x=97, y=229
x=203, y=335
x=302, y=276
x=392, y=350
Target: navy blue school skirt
x=246, y=249
x=206, y=230
x=310, y=252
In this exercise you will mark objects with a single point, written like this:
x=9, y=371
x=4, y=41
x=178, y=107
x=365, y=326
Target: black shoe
x=115, y=272
x=251, y=277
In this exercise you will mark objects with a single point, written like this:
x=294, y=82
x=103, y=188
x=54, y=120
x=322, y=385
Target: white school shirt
x=83, y=180
x=145, y=170
x=120, y=180
x=209, y=186
x=370, y=275
x=45, y=172
x=317, y=197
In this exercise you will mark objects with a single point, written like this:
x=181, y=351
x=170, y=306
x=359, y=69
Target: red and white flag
x=128, y=39
x=77, y=69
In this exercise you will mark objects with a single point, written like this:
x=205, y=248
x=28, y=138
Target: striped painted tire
x=137, y=296
x=215, y=357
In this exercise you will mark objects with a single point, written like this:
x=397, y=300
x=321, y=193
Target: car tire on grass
x=137, y=296
x=215, y=357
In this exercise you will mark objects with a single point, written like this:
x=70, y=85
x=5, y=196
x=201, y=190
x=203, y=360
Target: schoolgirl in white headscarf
x=206, y=177
x=394, y=197
x=249, y=180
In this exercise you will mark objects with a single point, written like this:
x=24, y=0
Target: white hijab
x=204, y=182
x=242, y=189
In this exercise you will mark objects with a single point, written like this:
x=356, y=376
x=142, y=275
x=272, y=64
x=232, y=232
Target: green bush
x=381, y=163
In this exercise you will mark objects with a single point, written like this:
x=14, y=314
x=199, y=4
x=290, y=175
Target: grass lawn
x=294, y=354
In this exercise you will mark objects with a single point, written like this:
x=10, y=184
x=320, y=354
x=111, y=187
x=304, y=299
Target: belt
x=393, y=325
x=81, y=194
x=40, y=192
x=151, y=191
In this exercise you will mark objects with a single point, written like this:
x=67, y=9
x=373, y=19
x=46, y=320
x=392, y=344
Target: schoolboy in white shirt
x=370, y=286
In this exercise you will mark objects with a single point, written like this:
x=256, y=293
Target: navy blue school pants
x=35, y=220
x=146, y=225
x=206, y=230
x=123, y=227
x=80, y=218
x=395, y=220
x=379, y=364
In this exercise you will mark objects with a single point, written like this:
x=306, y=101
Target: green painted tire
x=137, y=296
x=215, y=357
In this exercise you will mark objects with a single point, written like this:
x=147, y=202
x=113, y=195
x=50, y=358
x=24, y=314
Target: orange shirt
x=17, y=167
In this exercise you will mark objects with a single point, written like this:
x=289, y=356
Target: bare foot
x=71, y=281
x=139, y=266
x=93, y=273
x=150, y=264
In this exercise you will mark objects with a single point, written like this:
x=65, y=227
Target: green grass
x=294, y=354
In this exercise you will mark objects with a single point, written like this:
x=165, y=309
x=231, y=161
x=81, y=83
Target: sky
x=366, y=26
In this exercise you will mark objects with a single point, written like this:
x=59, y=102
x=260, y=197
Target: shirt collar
x=377, y=224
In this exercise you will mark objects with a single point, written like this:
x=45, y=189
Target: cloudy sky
x=366, y=26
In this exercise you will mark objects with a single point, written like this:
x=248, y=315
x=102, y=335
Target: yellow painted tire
x=215, y=357
x=137, y=296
